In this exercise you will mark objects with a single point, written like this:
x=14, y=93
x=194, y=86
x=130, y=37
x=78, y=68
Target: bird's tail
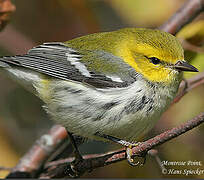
x=8, y=61
x=3, y=64
x=28, y=78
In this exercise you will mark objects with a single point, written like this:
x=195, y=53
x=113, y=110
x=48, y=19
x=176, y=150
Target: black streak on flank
x=143, y=99
x=136, y=104
x=110, y=105
x=71, y=90
x=98, y=117
x=151, y=102
x=77, y=91
x=150, y=108
x=139, y=90
x=141, y=105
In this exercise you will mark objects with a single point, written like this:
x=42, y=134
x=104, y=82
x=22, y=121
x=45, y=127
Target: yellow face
x=153, y=54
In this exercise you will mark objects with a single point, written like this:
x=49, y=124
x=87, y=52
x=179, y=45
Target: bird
x=108, y=86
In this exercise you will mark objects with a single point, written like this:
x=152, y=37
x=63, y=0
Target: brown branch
x=191, y=47
x=63, y=168
x=154, y=153
x=33, y=160
x=183, y=16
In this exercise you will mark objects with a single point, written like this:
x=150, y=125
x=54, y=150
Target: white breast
x=120, y=112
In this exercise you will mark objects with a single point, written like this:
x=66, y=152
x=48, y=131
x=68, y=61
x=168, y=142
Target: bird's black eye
x=155, y=60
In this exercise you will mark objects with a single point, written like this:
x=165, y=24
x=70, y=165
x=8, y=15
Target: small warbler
x=110, y=85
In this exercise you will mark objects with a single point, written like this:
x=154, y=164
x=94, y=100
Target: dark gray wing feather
x=51, y=59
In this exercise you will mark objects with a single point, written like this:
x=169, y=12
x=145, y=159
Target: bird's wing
x=62, y=62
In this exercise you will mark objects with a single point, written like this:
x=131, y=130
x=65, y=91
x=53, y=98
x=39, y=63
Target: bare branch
x=33, y=160
x=154, y=153
x=183, y=16
x=191, y=47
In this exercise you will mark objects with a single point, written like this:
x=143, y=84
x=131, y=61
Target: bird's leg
x=128, y=146
x=78, y=157
x=66, y=148
x=77, y=154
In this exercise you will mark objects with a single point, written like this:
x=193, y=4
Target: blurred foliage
x=193, y=34
x=22, y=119
x=145, y=13
x=8, y=157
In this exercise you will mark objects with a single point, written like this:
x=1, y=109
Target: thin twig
x=154, y=153
x=33, y=160
x=183, y=16
x=191, y=47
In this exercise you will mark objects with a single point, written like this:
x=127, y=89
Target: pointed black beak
x=184, y=66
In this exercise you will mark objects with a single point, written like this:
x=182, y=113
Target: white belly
x=125, y=113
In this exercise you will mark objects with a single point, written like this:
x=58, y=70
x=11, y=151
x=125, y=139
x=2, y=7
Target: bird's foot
x=75, y=173
x=131, y=160
x=78, y=161
x=129, y=146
